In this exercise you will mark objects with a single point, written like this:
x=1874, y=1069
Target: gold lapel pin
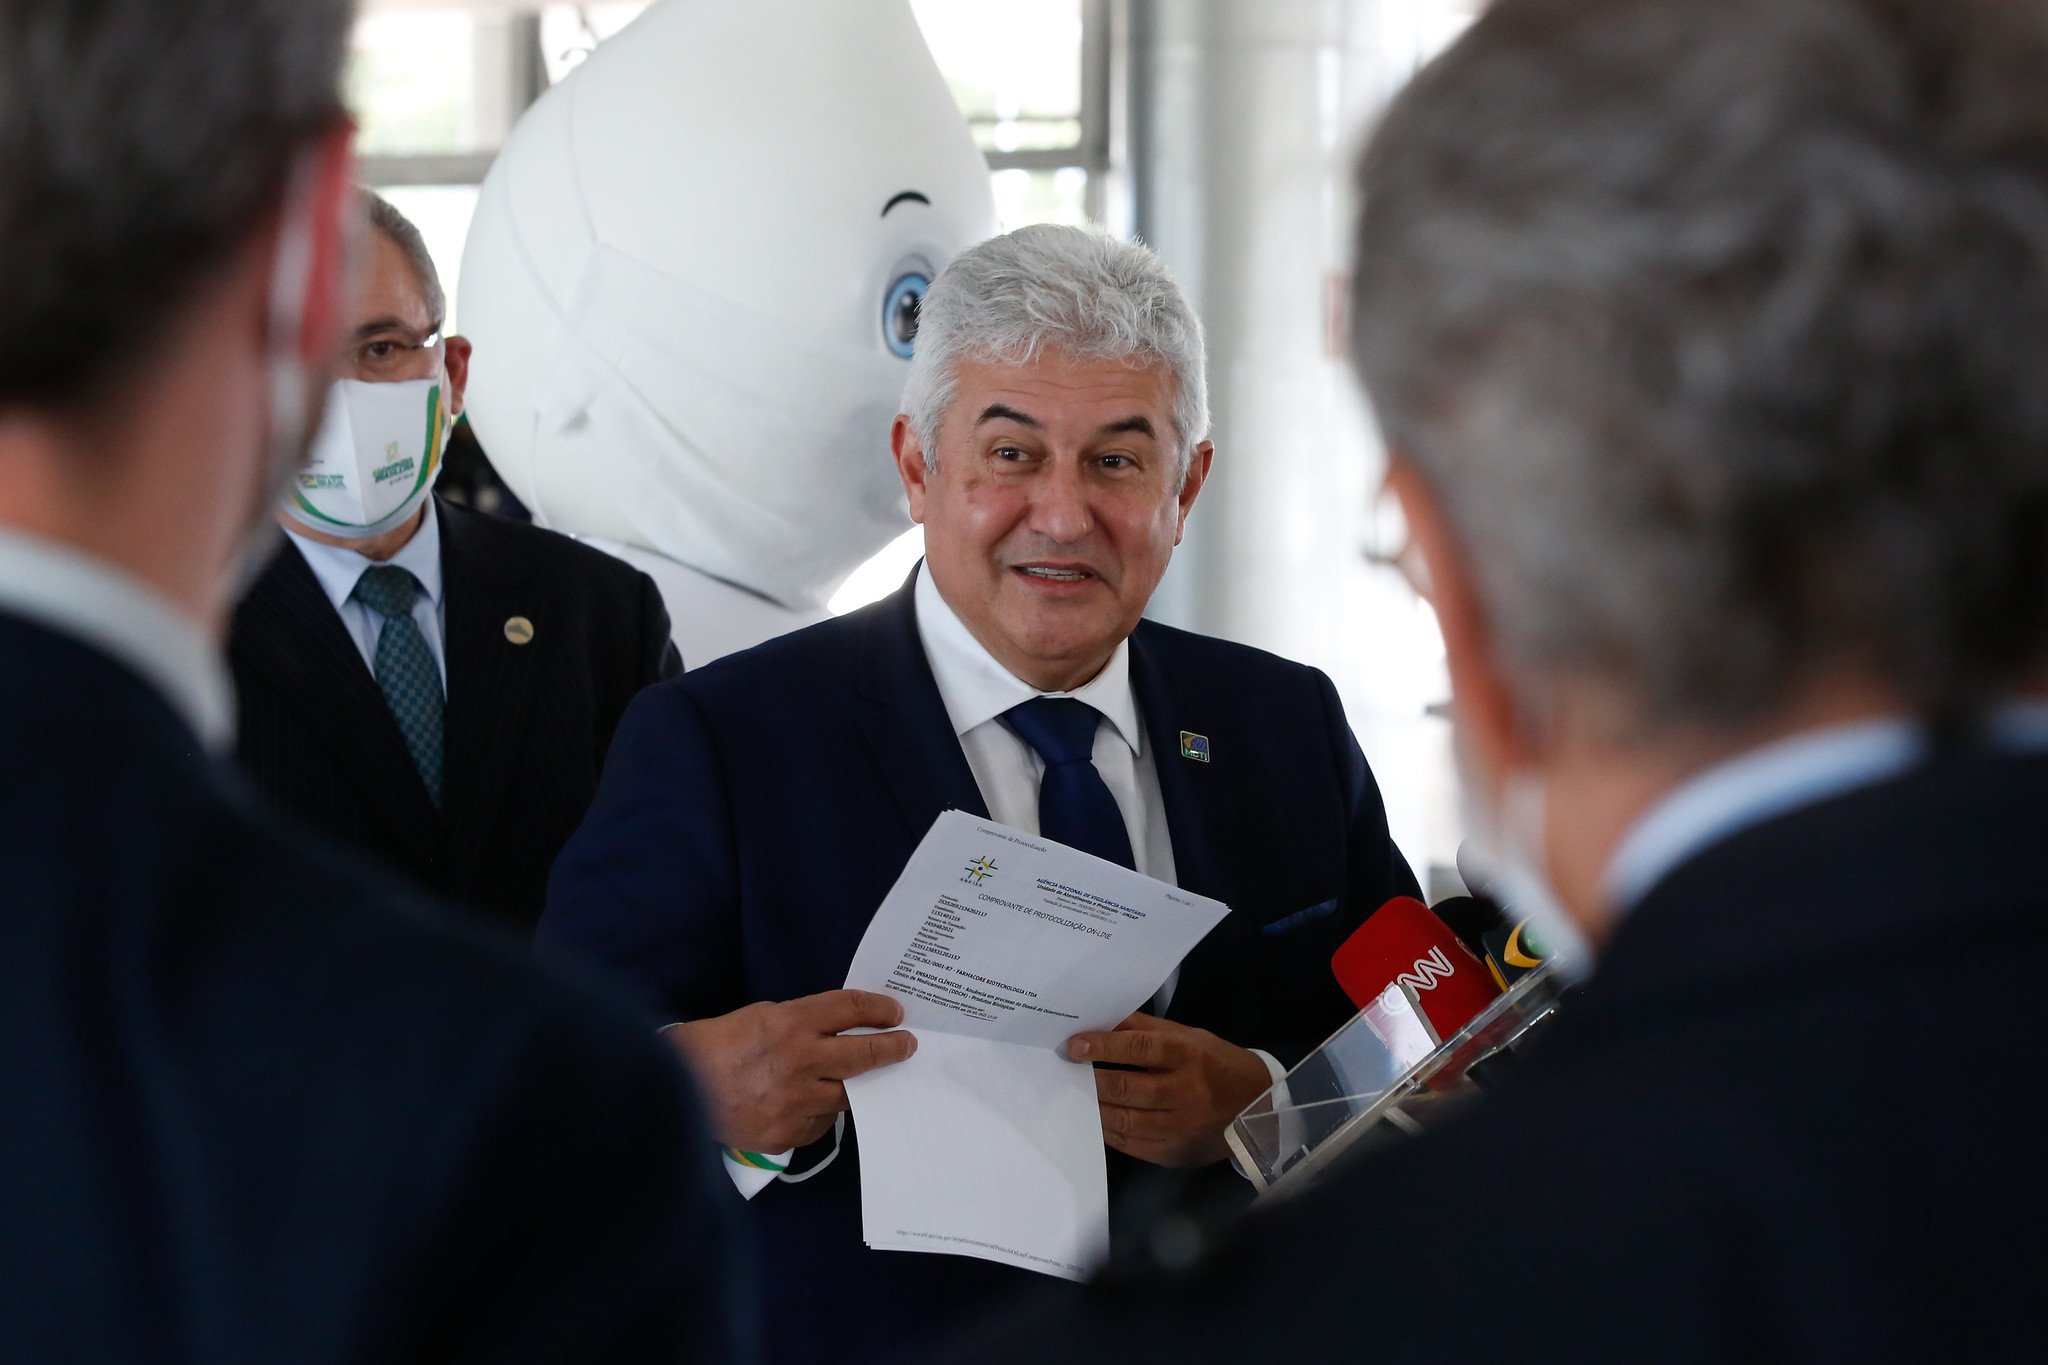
x=519, y=630
x=1194, y=746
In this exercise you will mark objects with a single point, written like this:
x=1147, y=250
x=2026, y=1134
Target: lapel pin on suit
x=1194, y=746
x=519, y=630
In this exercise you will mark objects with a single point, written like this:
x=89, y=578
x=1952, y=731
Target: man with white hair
x=754, y=813
x=1709, y=342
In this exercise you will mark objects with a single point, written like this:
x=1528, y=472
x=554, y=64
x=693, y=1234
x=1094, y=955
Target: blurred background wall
x=1220, y=131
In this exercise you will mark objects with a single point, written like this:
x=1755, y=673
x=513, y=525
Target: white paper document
x=1001, y=946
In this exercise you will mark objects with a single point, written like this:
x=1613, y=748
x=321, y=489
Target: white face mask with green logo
x=374, y=459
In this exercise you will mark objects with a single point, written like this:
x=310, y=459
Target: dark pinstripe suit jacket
x=527, y=724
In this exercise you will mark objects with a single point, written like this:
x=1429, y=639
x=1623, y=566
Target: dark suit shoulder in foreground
x=266, y=1106
x=1793, y=1117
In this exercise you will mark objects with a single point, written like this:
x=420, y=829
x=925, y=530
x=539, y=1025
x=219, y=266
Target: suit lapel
x=914, y=746
x=1201, y=811
x=289, y=632
x=490, y=676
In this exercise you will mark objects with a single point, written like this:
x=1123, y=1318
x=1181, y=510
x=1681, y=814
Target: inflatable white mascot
x=692, y=282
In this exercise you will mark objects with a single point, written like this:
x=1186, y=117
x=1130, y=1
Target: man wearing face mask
x=1708, y=342
x=431, y=685
x=257, y=1103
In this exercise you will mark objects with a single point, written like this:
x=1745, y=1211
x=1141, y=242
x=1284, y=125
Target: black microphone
x=1473, y=870
x=1471, y=918
x=1510, y=945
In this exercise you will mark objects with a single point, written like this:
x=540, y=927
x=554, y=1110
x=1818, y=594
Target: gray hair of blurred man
x=142, y=142
x=406, y=237
x=1720, y=334
x=1077, y=290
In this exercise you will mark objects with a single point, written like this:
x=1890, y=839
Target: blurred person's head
x=172, y=210
x=397, y=392
x=1052, y=441
x=1708, y=343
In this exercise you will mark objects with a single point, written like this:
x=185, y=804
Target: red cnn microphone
x=1403, y=942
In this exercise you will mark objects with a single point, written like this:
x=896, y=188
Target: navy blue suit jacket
x=1795, y=1116
x=257, y=1104
x=753, y=814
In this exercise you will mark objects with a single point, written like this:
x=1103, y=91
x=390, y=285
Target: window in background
x=1059, y=196
x=442, y=214
x=436, y=89
x=1031, y=77
x=1015, y=68
x=410, y=82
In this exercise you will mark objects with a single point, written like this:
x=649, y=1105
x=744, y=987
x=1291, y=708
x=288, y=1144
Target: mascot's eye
x=899, y=312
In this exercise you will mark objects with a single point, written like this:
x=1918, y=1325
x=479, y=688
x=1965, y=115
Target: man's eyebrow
x=393, y=324
x=996, y=412
x=1140, y=424
x=904, y=197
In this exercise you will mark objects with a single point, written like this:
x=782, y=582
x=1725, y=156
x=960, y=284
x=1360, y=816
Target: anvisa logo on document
x=980, y=870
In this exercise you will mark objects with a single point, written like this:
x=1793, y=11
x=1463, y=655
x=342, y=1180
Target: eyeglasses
x=1406, y=561
x=393, y=353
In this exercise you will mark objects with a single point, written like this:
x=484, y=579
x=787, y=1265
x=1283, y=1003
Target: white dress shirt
x=1778, y=778
x=977, y=690
x=338, y=568
x=124, y=618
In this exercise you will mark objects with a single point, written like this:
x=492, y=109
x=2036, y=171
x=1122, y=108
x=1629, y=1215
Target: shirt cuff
x=753, y=1172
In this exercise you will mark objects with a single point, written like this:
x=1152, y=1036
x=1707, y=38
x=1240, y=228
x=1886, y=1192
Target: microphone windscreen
x=1402, y=942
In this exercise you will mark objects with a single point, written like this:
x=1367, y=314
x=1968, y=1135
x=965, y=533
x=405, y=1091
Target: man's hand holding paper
x=773, y=1073
x=1004, y=946
x=1188, y=1086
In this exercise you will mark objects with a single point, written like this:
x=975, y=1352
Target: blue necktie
x=1074, y=803
x=405, y=669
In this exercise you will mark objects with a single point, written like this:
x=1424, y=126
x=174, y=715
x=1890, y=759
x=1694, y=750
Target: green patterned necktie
x=405, y=669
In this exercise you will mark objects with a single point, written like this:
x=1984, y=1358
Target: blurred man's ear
x=455, y=356
x=1484, y=707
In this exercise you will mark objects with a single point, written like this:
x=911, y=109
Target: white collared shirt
x=977, y=690
x=1777, y=778
x=121, y=616
x=338, y=568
